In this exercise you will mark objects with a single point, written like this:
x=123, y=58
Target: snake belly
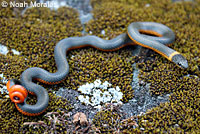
x=132, y=37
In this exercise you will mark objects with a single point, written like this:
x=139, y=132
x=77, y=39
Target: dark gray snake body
x=155, y=43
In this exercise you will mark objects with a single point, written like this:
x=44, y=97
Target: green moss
x=92, y=64
x=35, y=37
x=108, y=120
x=163, y=75
x=9, y=12
x=182, y=18
x=180, y=114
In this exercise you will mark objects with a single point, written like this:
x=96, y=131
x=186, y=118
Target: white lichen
x=103, y=32
x=3, y=49
x=3, y=88
x=15, y=52
x=99, y=93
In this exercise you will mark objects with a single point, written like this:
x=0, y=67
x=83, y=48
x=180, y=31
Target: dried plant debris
x=80, y=118
x=13, y=121
x=110, y=118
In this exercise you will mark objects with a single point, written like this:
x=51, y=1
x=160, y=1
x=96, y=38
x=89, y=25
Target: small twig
x=34, y=123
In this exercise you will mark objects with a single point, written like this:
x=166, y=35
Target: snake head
x=180, y=61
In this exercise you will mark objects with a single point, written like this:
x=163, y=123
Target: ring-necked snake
x=137, y=34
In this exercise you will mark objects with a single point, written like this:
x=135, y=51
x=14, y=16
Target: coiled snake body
x=18, y=89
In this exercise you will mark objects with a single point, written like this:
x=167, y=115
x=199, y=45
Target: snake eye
x=17, y=93
x=180, y=60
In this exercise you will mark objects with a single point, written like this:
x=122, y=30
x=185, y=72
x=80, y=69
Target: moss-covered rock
x=90, y=64
x=36, y=32
x=164, y=77
x=13, y=121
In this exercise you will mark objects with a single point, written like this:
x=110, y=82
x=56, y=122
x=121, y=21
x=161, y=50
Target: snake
x=151, y=35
